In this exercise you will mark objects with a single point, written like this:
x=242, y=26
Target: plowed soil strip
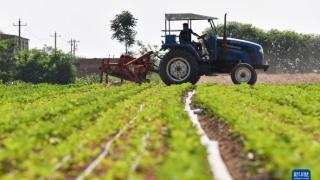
x=218, y=168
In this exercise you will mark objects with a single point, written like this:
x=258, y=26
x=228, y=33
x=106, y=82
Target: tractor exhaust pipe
x=225, y=35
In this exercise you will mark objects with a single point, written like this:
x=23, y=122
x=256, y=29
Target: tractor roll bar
x=189, y=17
x=225, y=35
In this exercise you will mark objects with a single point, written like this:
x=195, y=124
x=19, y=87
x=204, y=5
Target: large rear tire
x=244, y=73
x=178, y=67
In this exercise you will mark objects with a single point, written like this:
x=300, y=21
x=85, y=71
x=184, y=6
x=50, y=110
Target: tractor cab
x=207, y=44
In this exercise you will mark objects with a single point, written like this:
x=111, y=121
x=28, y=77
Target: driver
x=185, y=37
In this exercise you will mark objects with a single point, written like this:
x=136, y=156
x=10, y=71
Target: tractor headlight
x=261, y=50
x=261, y=55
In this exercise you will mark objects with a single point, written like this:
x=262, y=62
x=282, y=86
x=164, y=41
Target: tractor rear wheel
x=244, y=73
x=179, y=67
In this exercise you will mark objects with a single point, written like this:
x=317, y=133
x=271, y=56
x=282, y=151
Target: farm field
x=143, y=131
x=279, y=125
x=79, y=131
x=264, y=78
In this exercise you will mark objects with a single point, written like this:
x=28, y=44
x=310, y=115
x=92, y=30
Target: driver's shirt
x=185, y=36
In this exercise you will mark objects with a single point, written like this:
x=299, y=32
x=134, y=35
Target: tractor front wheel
x=179, y=67
x=244, y=73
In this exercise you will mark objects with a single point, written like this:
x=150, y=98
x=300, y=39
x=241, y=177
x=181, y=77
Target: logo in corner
x=301, y=174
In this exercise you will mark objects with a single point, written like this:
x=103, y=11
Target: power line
x=34, y=36
x=66, y=41
x=19, y=27
x=59, y=42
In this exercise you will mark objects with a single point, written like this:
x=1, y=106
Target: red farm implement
x=128, y=68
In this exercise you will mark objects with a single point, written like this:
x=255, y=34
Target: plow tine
x=107, y=78
x=127, y=68
x=101, y=76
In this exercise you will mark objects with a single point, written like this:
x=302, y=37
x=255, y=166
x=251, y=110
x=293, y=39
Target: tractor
x=186, y=62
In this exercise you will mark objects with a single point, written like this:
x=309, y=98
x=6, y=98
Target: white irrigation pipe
x=93, y=164
x=143, y=147
x=101, y=156
x=59, y=164
x=218, y=168
x=105, y=151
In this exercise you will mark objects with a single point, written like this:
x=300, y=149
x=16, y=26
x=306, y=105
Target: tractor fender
x=186, y=47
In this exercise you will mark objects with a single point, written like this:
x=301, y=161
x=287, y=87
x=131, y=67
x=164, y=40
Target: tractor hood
x=250, y=52
x=240, y=43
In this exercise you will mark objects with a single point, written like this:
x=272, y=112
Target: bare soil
x=263, y=78
x=240, y=164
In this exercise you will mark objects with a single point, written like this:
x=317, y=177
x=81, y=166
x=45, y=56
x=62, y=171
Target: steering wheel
x=202, y=36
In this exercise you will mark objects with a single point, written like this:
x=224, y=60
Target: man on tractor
x=185, y=37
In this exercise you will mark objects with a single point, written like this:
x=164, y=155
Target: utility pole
x=71, y=43
x=19, y=27
x=55, y=36
x=74, y=46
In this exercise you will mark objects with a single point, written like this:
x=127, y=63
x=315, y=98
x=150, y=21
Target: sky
x=89, y=21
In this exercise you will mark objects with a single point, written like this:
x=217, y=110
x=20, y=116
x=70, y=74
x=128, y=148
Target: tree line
x=45, y=65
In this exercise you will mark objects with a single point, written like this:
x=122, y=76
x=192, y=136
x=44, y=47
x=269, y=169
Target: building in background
x=24, y=41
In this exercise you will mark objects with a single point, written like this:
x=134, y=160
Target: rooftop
x=187, y=16
x=9, y=36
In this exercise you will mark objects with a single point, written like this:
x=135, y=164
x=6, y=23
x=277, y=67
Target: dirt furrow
x=218, y=167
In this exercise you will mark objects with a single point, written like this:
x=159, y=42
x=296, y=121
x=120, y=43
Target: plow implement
x=128, y=68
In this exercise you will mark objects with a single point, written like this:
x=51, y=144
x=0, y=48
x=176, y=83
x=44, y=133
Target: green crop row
x=160, y=142
x=28, y=93
x=280, y=124
x=45, y=124
x=58, y=132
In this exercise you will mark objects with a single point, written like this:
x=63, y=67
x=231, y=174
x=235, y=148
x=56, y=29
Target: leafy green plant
x=57, y=131
x=278, y=123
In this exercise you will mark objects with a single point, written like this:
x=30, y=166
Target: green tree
x=35, y=66
x=45, y=66
x=123, y=29
x=7, y=70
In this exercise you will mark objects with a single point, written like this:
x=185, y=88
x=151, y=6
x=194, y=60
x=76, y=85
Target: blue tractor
x=186, y=61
